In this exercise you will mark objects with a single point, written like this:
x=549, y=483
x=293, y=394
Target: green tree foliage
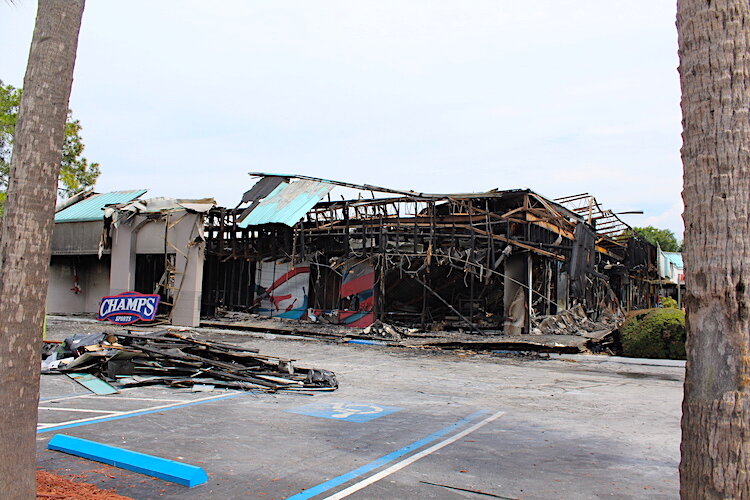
x=654, y=333
x=664, y=237
x=9, y=101
x=76, y=173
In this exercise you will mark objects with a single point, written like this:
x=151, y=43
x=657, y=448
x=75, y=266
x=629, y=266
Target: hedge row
x=654, y=333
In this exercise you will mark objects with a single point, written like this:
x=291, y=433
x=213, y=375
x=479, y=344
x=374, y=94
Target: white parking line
x=85, y=395
x=86, y=410
x=410, y=460
x=94, y=396
x=140, y=410
x=112, y=396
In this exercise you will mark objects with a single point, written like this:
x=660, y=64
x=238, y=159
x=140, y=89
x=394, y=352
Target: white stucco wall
x=93, y=281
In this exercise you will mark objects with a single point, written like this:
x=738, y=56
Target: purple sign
x=128, y=307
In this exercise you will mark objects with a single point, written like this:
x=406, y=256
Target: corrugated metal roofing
x=675, y=258
x=90, y=209
x=288, y=203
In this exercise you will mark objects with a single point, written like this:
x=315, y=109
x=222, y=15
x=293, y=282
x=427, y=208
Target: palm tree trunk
x=26, y=233
x=714, y=46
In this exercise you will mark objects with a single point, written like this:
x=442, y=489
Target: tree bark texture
x=26, y=234
x=714, y=48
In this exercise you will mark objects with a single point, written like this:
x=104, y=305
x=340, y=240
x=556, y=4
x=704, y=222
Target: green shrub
x=668, y=302
x=654, y=333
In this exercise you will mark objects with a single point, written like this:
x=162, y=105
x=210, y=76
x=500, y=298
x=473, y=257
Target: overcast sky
x=560, y=96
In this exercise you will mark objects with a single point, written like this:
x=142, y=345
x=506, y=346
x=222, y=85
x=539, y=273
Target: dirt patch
x=53, y=487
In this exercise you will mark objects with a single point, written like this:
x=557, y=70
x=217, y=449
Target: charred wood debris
x=568, y=333
x=178, y=359
x=480, y=269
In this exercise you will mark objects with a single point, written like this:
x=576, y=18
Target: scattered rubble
x=562, y=344
x=384, y=330
x=566, y=333
x=178, y=360
x=574, y=321
x=600, y=336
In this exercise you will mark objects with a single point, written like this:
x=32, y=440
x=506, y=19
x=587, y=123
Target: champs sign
x=128, y=307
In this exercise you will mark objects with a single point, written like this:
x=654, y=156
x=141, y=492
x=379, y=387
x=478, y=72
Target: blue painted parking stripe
x=136, y=414
x=339, y=480
x=366, y=342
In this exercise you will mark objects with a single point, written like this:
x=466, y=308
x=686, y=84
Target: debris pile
x=384, y=330
x=601, y=335
x=573, y=321
x=178, y=360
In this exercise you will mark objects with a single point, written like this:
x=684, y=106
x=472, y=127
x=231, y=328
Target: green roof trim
x=91, y=209
x=287, y=204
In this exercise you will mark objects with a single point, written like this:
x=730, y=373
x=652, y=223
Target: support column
x=515, y=295
x=122, y=268
x=187, y=238
x=529, y=294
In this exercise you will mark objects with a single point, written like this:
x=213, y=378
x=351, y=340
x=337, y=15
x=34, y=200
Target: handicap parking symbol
x=346, y=410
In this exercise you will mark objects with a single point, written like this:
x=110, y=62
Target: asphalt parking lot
x=403, y=424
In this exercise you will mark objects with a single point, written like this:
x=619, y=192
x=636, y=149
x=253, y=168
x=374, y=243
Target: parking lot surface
x=403, y=424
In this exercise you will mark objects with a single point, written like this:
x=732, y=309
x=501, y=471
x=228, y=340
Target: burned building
x=491, y=261
x=498, y=261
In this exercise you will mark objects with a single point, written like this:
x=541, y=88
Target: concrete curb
x=674, y=363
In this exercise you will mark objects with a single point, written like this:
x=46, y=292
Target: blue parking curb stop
x=169, y=470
